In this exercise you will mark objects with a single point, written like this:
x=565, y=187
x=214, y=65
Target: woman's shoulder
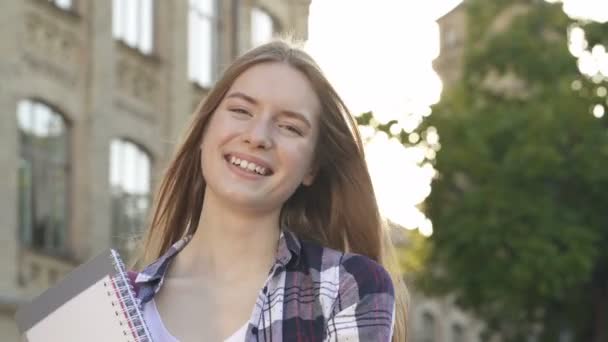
x=358, y=294
x=353, y=270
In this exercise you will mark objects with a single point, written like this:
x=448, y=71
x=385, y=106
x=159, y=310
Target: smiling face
x=259, y=144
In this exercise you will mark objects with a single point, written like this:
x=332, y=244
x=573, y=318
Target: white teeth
x=249, y=166
x=260, y=170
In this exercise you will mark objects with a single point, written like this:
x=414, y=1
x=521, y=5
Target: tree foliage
x=518, y=208
x=519, y=204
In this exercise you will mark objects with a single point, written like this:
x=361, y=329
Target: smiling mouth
x=248, y=166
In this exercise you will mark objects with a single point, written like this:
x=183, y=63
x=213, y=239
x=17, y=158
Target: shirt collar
x=289, y=248
x=156, y=270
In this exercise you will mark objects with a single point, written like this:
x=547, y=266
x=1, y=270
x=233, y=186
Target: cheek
x=222, y=129
x=301, y=159
x=208, y=152
x=204, y=163
x=215, y=135
x=204, y=149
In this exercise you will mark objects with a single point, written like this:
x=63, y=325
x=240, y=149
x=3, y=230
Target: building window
x=63, y=4
x=457, y=333
x=130, y=169
x=133, y=23
x=428, y=328
x=202, y=41
x=450, y=37
x=262, y=26
x=43, y=176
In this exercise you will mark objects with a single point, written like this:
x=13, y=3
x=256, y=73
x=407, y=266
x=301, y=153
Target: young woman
x=265, y=225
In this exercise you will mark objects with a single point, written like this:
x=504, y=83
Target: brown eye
x=291, y=129
x=240, y=111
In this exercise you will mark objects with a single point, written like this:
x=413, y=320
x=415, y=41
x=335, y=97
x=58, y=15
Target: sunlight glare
x=596, y=10
x=398, y=182
x=426, y=227
x=577, y=43
x=379, y=58
x=598, y=111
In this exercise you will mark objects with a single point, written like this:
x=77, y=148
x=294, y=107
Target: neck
x=228, y=243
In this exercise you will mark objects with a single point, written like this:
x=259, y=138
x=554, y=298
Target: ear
x=309, y=178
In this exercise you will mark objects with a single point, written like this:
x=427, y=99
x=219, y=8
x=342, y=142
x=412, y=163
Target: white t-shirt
x=160, y=333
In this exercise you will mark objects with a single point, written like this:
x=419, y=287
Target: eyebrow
x=289, y=113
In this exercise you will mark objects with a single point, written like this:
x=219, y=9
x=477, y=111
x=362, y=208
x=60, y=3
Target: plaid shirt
x=312, y=294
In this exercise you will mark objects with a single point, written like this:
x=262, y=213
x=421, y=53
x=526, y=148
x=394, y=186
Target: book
x=94, y=302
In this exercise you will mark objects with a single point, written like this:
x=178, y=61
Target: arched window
x=428, y=328
x=202, y=41
x=43, y=176
x=262, y=26
x=457, y=333
x=63, y=4
x=130, y=169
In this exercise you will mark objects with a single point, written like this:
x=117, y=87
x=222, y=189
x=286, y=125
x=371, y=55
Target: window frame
x=120, y=238
x=68, y=8
x=428, y=335
x=457, y=328
x=273, y=23
x=213, y=20
x=124, y=15
x=28, y=153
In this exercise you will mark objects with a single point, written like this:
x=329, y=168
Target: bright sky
x=378, y=54
x=596, y=10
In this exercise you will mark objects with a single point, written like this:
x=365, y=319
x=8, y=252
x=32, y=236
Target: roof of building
x=458, y=6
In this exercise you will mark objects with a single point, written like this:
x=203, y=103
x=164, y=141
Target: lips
x=249, y=164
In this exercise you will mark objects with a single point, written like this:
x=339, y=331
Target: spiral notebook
x=94, y=302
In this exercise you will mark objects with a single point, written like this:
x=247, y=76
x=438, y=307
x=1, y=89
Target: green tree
x=519, y=204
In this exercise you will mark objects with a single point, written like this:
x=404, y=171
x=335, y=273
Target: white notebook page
x=96, y=319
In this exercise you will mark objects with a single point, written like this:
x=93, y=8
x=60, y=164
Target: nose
x=258, y=134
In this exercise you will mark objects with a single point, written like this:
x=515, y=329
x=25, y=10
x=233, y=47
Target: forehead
x=279, y=85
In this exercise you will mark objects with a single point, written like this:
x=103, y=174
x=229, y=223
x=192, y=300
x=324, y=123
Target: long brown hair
x=338, y=210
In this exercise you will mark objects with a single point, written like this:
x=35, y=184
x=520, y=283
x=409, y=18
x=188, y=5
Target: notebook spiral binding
x=128, y=309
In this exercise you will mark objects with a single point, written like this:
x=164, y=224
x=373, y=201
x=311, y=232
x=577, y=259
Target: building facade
x=452, y=38
x=440, y=320
x=434, y=319
x=93, y=96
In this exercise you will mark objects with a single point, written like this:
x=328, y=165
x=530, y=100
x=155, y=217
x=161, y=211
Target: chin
x=252, y=202
x=249, y=199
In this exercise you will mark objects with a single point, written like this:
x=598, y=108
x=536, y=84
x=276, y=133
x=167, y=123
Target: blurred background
x=484, y=123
